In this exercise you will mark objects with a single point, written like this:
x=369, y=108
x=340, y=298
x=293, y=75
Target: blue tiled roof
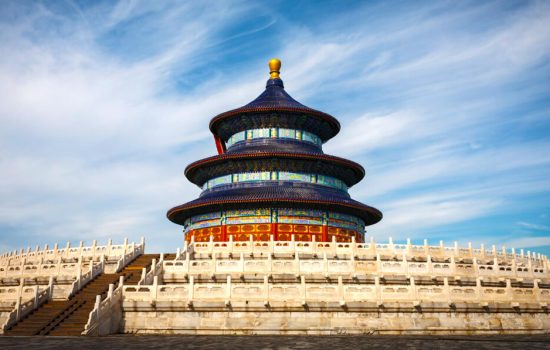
x=275, y=96
x=275, y=99
x=274, y=194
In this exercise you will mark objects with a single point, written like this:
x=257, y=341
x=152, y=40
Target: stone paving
x=279, y=342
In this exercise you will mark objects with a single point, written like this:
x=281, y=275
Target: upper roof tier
x=274, y=108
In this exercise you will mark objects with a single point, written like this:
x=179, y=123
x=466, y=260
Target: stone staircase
x=69, y=317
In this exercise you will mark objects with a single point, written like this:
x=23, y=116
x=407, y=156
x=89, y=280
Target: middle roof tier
x=312, y=163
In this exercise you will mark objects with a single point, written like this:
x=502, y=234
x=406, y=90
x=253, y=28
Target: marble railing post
x=270, y=262
x=50, y=286
x=509, y=292
x=536, y=290
x=303, y=293
x=228, y=291
x=143, y=275
x=67, y=249
x=96, y=306
x=109, y=247
x=35, y=305
x=452, y=264
x=378, y=291
x=110, y=291
x=191, y=289
x=266, y=290
x=79, y=272
x=59, y=262
x=155, y=287
x=447, y=289
x=341, y=291
x=479, y=292
x=94, y=245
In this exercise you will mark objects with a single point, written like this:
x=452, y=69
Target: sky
x=445, y=103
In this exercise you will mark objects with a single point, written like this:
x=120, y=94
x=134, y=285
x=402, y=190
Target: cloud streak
x=103, y=105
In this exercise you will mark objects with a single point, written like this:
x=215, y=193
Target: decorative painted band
x=279, y=232
x=280, y=133
x=263, y=176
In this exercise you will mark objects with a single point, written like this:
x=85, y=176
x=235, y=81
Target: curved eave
x=179, y=214
x=333, y=122
x=191, y=169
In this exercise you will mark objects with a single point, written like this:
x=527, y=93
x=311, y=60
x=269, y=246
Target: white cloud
x=96, y=131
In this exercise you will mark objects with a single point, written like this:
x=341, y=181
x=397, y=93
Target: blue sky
x=445, y=104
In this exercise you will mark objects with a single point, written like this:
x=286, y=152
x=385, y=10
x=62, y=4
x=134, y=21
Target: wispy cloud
x=103, y=105
x=534, y=226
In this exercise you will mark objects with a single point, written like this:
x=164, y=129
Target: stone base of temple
x=293, y=287
x=331, y=322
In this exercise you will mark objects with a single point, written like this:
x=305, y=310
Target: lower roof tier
x=205, y=169
x=297, y=196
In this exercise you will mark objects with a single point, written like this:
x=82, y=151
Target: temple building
x=274, y=245
x=271, y=177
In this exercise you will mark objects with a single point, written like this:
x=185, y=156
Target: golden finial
x=274, y=67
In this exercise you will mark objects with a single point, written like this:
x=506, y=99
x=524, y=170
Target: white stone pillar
x=341, y=296
x=67, y=249
x=266, y=290
x=378, y=291
x=228, y=291
x=303, y=290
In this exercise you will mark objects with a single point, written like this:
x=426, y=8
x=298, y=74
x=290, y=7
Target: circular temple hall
x=271, y=179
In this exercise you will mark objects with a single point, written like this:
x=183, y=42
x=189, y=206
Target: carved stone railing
x=23, y=305
x=93, y=252
x=130, y=253
x=348, y=265
x=302, y=293
x=106, y=316
x=83, y=279
x=41, y=270
x=366, y=249
x=155, y=271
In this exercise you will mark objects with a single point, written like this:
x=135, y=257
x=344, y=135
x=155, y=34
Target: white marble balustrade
x=340, y=292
